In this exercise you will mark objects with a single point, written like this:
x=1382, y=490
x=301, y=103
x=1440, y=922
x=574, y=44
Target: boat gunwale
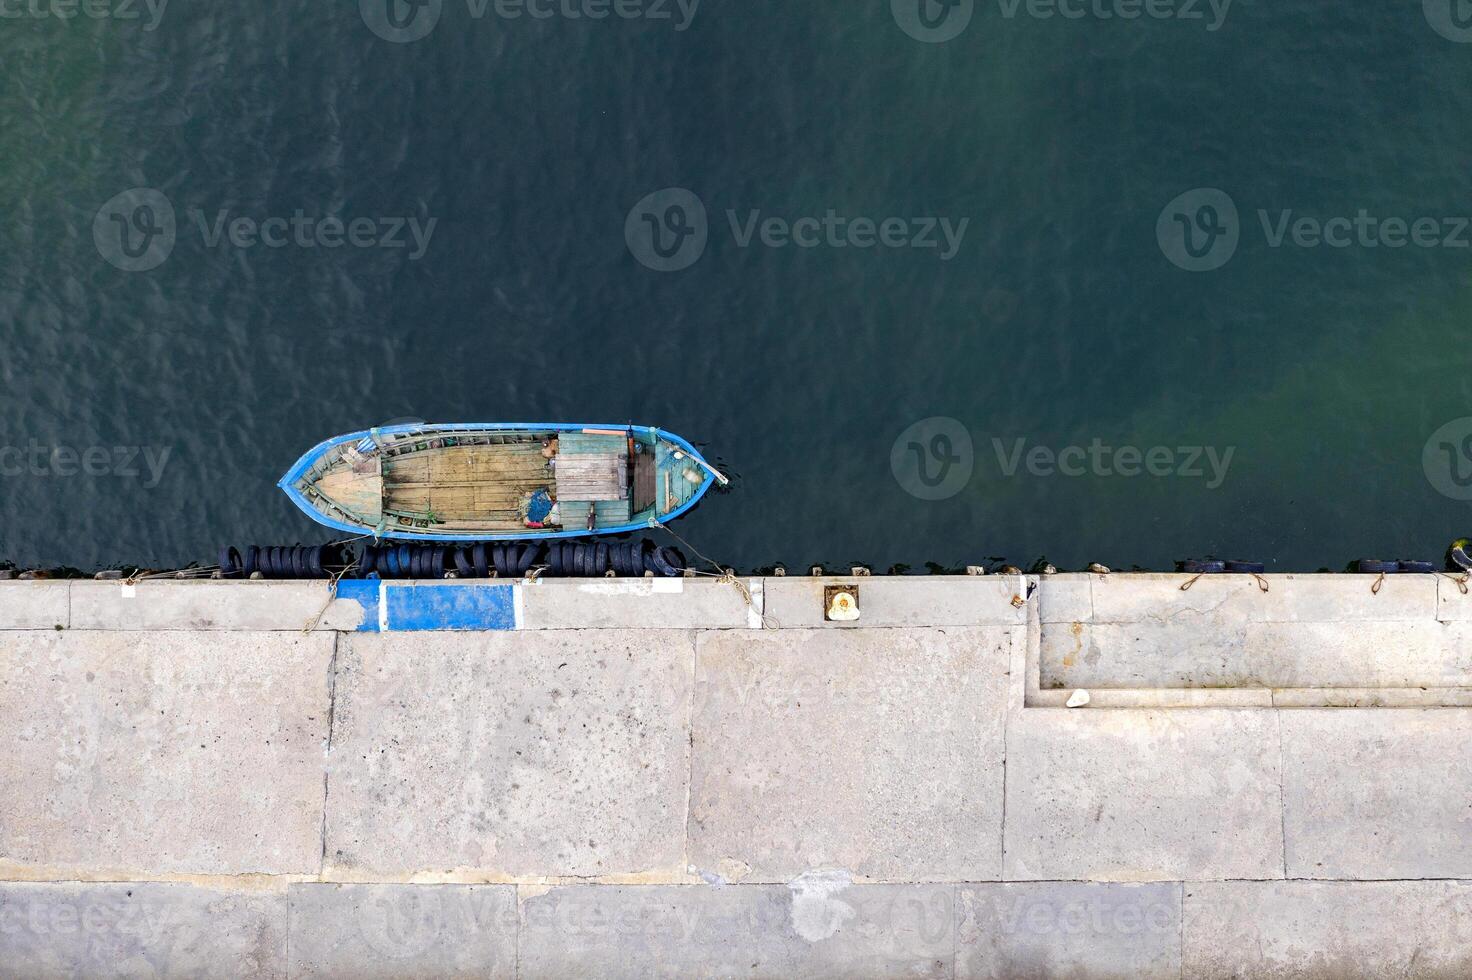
x=288, y=483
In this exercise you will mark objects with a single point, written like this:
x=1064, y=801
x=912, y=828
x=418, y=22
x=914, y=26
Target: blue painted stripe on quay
x=365, y=593
x=451, y=607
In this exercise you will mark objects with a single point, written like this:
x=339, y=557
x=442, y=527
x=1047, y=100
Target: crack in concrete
x=327, y=749
x=690, y=745
x=1282, y=804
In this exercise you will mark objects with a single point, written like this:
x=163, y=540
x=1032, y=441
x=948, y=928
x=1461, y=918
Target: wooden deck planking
x=593, y=476
x=465, y=484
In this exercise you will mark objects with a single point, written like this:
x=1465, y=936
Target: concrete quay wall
x=638, y=778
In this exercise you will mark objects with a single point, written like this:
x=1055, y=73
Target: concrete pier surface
x=1271, y=777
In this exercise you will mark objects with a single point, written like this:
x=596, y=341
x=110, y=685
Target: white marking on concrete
x=616, y=587
x=668, y=586
x=754, y=612
x=382, y=606
x=130, y=591
x=817, y=913
x=518, y=607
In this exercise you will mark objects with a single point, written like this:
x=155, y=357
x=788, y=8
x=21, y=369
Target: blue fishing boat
x=498, y=481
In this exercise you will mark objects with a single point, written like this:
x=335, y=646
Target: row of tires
x=303, y=561
x=436, y=561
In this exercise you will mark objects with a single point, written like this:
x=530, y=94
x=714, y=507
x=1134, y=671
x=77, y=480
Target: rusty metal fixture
x=841, y=603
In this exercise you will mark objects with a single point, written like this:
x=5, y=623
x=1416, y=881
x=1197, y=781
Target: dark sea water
x=1060, y=320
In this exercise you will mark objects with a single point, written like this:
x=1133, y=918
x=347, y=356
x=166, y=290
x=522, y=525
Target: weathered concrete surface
x=1453, y=599
x=1214, y=601
x=1378, y=793
x=640, y=604
x=1382, y=697
x=818, y=926
x=161, y=752
x=210, y=605
x=1069, y=929
x=1143, y=796
x=1158, y=698
x=785, y=763
x=794, y=602
x=875, y=752
x=34, y=605
x=1174, y=654
x=439, y=931
x=1329, y=930
x=140, y=930
x=1066, y=598
x=536, y=753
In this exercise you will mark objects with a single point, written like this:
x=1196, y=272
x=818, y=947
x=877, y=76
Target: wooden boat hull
x=492, y=481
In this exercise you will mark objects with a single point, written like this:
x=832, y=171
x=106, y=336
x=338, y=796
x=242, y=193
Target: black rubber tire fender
x=528, y=558
x=1374, y=566
x=1196, y=567
x=662, y=561
x=230, y=562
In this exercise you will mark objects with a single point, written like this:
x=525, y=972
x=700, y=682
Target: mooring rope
x=1262, y=583
x=331, y=596
x=720, y=574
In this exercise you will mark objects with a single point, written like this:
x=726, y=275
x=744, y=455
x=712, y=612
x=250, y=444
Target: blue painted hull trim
x=288, y=482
